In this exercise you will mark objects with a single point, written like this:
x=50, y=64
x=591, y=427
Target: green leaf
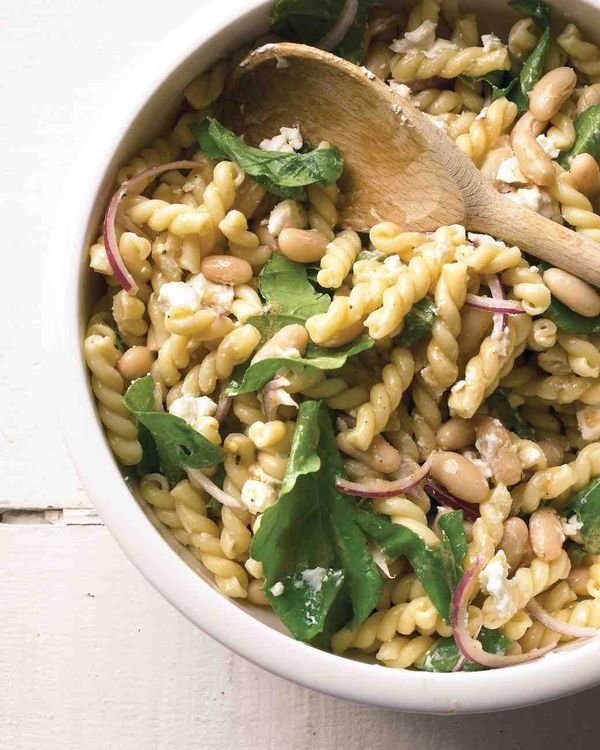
x=452, y=526
x=444, y=656
x=308, y=21
x=534, y=9
x=587, y=136
x=586, y=506
x=255, y=376
x=571, y=322
x=418, y=323
x=531, y=72
x=178, y=445
x=510, y=417
x=289, y=296
x=280, y=173
x=434, y=567
x=310, y=529
x=501, y=82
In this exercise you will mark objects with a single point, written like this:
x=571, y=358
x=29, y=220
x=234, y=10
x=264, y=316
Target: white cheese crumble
x=510, y=172
x=477, y=461
x=288, y=352
x=401, y=89
x=288, y=141
x=588, y=421
x=437, y=49
x=277, y=589
x=571, y=527
x=264, y=48
x=421, y=38
x=193, y=410
x=178, y=298
x=502, y=343
x=494, y=581
x=287, y=214
x=491, y=42
x=548, y=146
x=257, y=496
x=313, y=578
x=538, y=200
x=369, y=73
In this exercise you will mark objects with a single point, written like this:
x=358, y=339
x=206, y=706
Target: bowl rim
x=203, y=605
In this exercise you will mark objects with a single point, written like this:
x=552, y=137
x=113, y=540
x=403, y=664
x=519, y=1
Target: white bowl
x=145, y=103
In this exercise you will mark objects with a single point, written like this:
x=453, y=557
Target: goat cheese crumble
x=421, y=38
x=288, y=141
x=494, y=581
x=193, y=410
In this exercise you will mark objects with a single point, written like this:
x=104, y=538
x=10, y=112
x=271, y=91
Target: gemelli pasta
x=392, y=439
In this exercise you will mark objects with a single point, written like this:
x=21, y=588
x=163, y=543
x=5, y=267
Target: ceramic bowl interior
x=146, y=107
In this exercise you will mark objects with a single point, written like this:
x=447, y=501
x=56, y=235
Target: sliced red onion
x=497, y=292
x=536, y=610
x=197, y=477
x=223, y=407
x=276, y=397
x=382, y=488
x=340, y=28
x=448, y=500
x=489, y=304
x=469, y=646
x=279, y=381
x=111, y=245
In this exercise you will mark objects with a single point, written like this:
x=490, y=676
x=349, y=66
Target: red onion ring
x=276, y=397
x=279, y=381
x=197, y=477
x=505, y=307
x=448, y=500
x=223, y=407
x=497, y=292
x=381, y=487
x=469, y=646
x=536, y=610
x=340, y=28
x=111, y=245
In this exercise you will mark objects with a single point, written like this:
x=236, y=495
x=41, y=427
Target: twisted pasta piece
x=483, y=371
x=489, y=527
x=487, y=129
x=235, y=227
x=173, y=356
x=384, y=399
x=339, y=257
x=409, y=513
x=322, y=208
x=101, y=356
x=561, y=389
x=583, y=355
x=528, y=287
x=543, y=336
x=387, y=238
x=442, y=351
x=246, y=302
x=522, y=38
x=234, y=349
x=523, y=586
x=448, y=62
x=488, y=255
x=128, y=313
x=207, y=87
x=438, y=101
x=402, y=652
x=424, y=10
x=585, y=56
x=160, y=151
x=179, y=218
x=583, y=614
x=576, y=208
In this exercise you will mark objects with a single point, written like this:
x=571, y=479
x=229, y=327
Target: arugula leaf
x=569, y=321
x=177, y=444
x=418, y=323
x=510, y=417
x=586, y=506
x=445, y=654
x=501, y=82
x=534, y=9
x=289, y=296
x=283, y=174
x=255, y=376
x=435, y=567
x=587, y=136
x=308, y=21
x=307, y=540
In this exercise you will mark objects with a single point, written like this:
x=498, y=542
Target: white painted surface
x=90, y=656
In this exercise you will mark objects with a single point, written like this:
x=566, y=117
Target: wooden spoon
x=399, y=166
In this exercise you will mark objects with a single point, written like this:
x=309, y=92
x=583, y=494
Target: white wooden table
x=90, y=656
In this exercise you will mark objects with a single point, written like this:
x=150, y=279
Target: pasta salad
x=391, y=439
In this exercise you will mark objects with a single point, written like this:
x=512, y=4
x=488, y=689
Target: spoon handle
x=536, y=235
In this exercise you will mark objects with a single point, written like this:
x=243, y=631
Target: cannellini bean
x=135, y=362
x=496, y=448
x=514, y=541
x=264, y=236
x=573, y=292
x=380, y=455
x=292, y=337
x=303, y=245
x=226, y=269
x=551, y=92
x=461, y=477
x=578, y=580
x=455, y=434
x=546, y=534
x=589, y=96
x=584, y=173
